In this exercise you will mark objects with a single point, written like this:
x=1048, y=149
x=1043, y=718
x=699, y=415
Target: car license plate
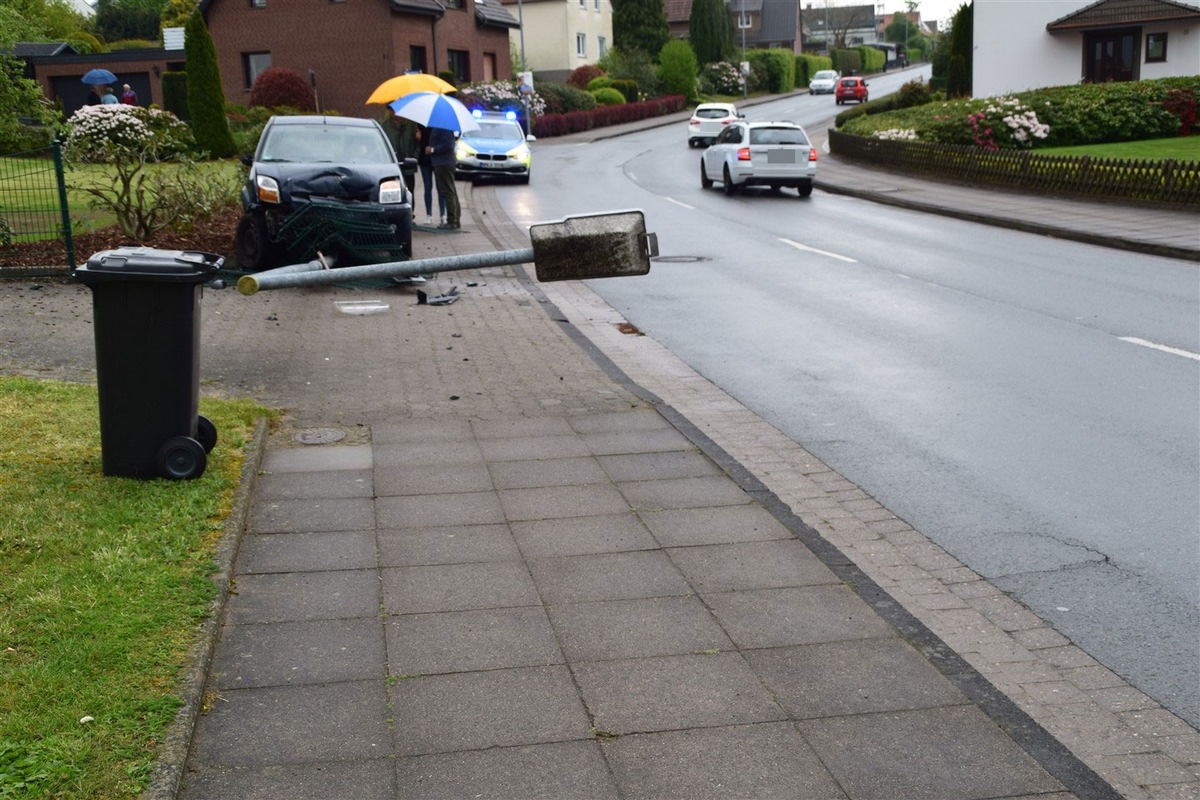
x=489, y=164
x=781, y=156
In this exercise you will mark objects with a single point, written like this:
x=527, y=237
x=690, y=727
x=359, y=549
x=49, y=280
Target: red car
x=852, y=88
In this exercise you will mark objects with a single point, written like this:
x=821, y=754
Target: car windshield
x=824, y=75
x=712, y=113
x=504, y=131
x=777, y=136
x=325, y=143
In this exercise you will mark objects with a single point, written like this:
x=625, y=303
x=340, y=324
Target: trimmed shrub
x=84, y=42
x=847, y=62
x=579, y=121
x=280, y=86
x=775, y=69
x=562, y=99
x=807, y=66
x=873, y=59
x=174, y=89
x=599, y=82
x=581, y=77
x=678, y=68
x=628, y=88
x=608, y=96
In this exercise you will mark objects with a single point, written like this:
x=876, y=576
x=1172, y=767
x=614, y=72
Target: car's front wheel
x=705, y=181
x=251, y=243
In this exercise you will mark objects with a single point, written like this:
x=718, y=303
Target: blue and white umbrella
x=98, y=77
x=434, y=110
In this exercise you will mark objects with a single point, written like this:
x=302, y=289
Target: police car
x=498, y=149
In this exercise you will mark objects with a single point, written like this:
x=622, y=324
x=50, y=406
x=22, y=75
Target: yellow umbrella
x=397, y=87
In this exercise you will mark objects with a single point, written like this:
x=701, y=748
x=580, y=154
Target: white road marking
x=676, y=202
x=799, y=246
x=1172, y=350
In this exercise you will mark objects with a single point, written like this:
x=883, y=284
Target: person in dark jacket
x=441, y=155
x=426, y=167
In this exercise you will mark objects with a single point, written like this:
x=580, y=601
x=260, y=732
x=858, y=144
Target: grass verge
x=103, y=582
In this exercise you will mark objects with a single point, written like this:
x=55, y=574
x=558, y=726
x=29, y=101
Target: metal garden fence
x=1173, y=183
x=35, y=223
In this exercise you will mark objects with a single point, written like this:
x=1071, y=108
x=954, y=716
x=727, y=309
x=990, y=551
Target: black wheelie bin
x=146, y=320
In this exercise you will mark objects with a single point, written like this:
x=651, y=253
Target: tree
x=845, y=18
x=640, y=25
x=962, y=42
x=51, y=20
x=19, y=96
x=176, y=13
x=206, y=99
x=677, y=68
x=710, y=31
x=129, y=19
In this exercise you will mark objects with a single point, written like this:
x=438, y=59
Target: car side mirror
x=531, y=138
x=247, y=159
x=408, y=166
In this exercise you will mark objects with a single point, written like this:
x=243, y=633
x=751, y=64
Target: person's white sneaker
x=443, y=219
x=429, y=220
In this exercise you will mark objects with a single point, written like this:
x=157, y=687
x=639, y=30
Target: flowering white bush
x=721, y=77
x=897, y=134
x=146, y=195
x=117, y=131
x=1022, y=122
x=500, y=96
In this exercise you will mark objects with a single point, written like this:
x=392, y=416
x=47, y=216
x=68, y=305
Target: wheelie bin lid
x=150, y=264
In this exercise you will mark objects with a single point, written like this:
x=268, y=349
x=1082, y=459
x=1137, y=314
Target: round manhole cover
x=679, y=259
x=320, y=436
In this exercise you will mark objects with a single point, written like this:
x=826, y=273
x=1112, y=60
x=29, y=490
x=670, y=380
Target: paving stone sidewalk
x=518, y=575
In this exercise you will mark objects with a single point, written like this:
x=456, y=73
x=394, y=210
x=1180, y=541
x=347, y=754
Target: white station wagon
x=774, y=154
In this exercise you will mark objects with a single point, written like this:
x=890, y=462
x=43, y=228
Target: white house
x=559, y=35
x=1020, y=46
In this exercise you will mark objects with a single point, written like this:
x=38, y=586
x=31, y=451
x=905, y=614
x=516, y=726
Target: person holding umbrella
x=441, y=154
x=444, y=116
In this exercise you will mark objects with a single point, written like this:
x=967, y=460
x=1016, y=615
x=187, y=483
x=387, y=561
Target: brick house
x=348, y=47
x=57, y=69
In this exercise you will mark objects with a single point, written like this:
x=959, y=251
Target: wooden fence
x=1173, y=183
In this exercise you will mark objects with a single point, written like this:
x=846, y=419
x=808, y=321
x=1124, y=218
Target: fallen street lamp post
x=607, y=245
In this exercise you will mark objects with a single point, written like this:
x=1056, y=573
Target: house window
x=258, y=3
x=581, y=44
x=1156, y=47
x=460, y=65
x=596, y=4
x=417, y=60
x=253, y=65
x=602, y=45
x=1111, y=56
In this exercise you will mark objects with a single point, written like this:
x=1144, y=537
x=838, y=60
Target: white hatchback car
x=823, y=81
x=708, y=120
x=774, y=154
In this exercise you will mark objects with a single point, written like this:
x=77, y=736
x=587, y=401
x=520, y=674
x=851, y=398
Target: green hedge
x=778, y=67
x=807, y=66
x=1077, y=114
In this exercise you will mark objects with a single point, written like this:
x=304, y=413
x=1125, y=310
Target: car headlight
x=268, y=189
x=463, y=150
x=391, y=191
x=522, y=154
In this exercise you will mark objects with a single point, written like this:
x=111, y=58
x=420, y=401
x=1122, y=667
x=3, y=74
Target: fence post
x=60, y=178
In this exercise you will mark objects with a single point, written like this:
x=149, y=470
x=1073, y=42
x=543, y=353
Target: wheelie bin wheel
x=206, y=433
x=182, y=458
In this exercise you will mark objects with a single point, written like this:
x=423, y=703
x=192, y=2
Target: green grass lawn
x=102, y=584
x=29, y=194
x=1179, y=148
